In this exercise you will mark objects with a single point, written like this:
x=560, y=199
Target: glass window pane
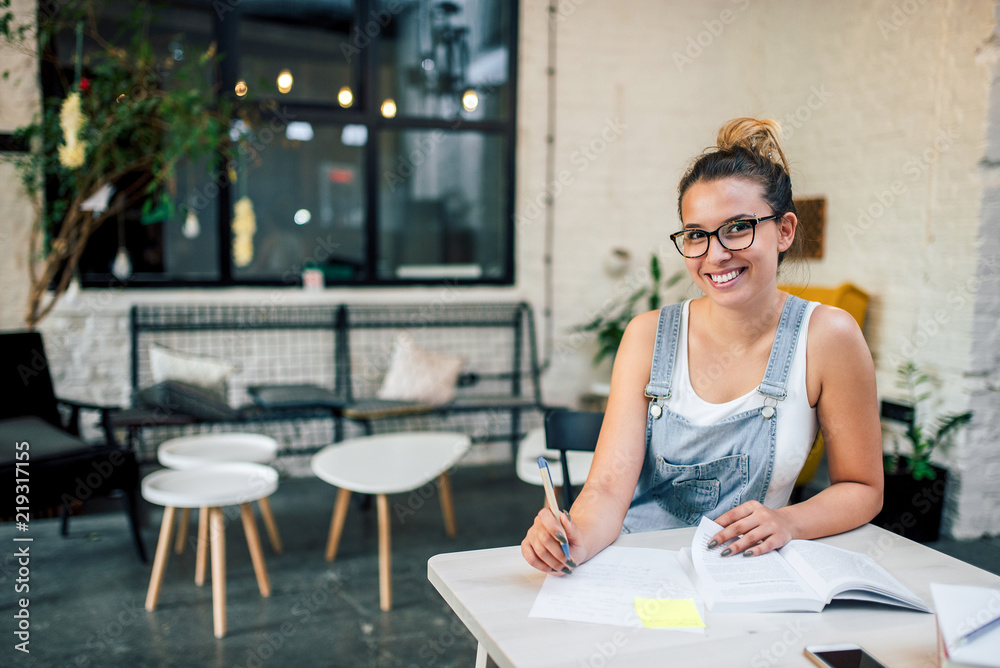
x=446, y=59
x=308, y=201
x=442, y=205
x=296, y=51
x=191, y=235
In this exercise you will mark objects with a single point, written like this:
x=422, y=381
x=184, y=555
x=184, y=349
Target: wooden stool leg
x=160, y=560
x=447, y=507
x=201, y=551
x=269, y=524
x=182, y=530
x=384, y=557
x=337, y=522
x=218, y=531
x=256, y=555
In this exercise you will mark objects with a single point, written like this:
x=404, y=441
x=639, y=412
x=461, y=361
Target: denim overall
x=694, y=470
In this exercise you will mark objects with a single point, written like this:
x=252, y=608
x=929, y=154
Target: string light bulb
x=389, y=108
x=285, y=81
x=241, y=88
x=470, y=100
x=345, y=97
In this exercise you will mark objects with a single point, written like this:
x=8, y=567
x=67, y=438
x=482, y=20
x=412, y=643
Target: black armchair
x=571, y=430
x=44, y=460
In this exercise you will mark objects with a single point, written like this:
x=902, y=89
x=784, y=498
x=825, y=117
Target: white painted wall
x=19, y=101
x=886, y=106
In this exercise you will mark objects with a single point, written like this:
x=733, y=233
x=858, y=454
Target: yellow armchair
x=853, y=300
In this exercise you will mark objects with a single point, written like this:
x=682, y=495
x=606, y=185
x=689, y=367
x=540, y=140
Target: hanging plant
x=126, y=122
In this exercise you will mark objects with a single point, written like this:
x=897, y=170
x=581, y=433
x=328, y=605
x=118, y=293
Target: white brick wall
x=866, y=90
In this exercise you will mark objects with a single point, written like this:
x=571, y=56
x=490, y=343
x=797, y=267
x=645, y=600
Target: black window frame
x=226, y=32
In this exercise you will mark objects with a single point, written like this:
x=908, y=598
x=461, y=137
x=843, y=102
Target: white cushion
x=207, y=372
x=417, y=374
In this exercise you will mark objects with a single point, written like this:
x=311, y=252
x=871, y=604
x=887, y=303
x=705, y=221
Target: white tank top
x=797, y=422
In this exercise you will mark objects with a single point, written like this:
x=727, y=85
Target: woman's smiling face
x=732, y=277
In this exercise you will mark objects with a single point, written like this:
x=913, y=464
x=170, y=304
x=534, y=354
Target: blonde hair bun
x=759, y=136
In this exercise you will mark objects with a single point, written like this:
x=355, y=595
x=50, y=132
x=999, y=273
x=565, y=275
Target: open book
x=803, y=575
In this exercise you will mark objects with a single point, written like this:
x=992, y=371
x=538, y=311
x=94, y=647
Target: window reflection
x=309, y=205
x=445, y=59
x=441, y=204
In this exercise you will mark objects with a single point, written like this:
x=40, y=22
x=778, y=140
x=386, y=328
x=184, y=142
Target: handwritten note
x=604, y=590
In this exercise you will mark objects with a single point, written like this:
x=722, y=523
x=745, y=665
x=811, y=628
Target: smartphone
x=845, y=655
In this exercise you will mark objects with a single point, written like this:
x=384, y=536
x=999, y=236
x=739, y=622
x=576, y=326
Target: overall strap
x=664, y=351
x=783, y=349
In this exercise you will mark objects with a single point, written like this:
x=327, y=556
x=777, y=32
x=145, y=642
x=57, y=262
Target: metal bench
x=308, y=375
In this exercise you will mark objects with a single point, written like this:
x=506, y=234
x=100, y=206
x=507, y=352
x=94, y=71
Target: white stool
x=533, y=446
x=388, y=464
x=195, y=452
x=233, y=484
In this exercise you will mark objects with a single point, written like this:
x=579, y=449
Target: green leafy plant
x=610, y=326
x=128, y=117
x=924, y=437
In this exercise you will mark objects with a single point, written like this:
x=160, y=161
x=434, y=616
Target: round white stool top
x=389, y=463
x=533, y=447
x=226, y=484
x=189, y=452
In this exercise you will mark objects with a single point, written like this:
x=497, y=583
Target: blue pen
x=550, y=495
x=977, y=633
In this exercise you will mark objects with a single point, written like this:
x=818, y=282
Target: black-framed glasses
x=736, y=235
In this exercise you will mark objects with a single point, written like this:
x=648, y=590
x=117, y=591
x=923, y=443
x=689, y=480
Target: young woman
x=715, y=403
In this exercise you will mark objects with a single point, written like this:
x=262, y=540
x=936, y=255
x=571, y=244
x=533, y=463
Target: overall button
x=767, y=412
x=655, y=410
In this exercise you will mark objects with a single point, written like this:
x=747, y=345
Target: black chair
x=571, y=430
x=46, y=457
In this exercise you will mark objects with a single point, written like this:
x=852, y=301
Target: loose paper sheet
x=604, y=590
x=962, y=608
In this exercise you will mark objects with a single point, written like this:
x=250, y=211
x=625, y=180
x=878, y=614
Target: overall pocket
x=690, y=491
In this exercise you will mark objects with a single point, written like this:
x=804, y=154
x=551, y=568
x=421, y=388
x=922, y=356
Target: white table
x=386, y=464
x=493, y=590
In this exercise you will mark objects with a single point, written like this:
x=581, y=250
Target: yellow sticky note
x=668, y=613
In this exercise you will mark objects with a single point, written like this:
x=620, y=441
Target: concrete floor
x=87, y=590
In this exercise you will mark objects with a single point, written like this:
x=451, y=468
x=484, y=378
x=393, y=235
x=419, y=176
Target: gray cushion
x=45, y=441
x=173, y=397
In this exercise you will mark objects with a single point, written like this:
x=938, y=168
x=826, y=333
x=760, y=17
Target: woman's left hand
x=761, y=529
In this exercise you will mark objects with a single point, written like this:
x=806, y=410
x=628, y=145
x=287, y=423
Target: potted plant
x=609, y=325
x=914, y=486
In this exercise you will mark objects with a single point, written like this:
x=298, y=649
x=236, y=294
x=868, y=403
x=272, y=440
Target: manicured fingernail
x=567, y=571
x=726, y=552
x=571, y=563
x=566, y=513
x=561, y=538
x=713, y=544
x=553, y=570
x=748, y=553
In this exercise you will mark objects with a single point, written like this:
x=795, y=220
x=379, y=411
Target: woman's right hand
x=542, y=546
